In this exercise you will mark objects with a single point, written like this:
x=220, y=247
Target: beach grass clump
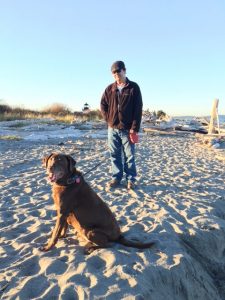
x=93, y=115
x=56, y=111
x=18, y=125
x=69, y=118
x=10, y=138
x=8, y=113
x=11, y=116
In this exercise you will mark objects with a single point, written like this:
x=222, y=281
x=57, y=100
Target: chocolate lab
x=78, y=205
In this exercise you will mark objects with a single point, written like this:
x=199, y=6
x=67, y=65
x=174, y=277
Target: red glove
x=133, y=137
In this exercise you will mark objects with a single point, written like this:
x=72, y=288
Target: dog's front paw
x=44, y=248
x=88, y=250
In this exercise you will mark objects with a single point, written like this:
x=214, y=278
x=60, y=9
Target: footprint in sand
x=96, y=262
x=28, y=267
x=56, y=267
x=78, y=279
x=27, y=290
x=73, y=291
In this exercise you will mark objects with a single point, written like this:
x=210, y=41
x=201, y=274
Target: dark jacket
x=122, y=110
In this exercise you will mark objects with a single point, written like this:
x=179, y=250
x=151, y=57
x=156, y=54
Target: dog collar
x=73, y=179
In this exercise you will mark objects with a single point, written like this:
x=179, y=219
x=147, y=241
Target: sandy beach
x=179, y=203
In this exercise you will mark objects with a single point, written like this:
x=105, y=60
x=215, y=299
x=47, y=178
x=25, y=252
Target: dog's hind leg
x=97, y=239
x=64, y=230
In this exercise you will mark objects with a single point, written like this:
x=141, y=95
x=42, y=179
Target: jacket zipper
x=118, y=106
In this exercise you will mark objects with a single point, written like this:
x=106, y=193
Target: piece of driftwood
x=213, y=142
x=165, y=132
x=214, y=118
x=196, y=130
x=157, y=128
x=212, y=135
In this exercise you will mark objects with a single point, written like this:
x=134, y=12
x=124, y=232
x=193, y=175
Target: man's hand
x=133, y=136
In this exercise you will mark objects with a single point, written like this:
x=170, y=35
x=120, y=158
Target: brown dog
x=78, y=205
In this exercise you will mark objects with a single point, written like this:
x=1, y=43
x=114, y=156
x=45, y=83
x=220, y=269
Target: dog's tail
x=123, y=241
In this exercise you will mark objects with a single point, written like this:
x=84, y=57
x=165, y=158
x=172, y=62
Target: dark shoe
x=130, y=185
x=113, y=183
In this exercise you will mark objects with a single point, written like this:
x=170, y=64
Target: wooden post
x=214, y=117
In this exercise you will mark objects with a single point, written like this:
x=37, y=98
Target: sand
x=179, y=203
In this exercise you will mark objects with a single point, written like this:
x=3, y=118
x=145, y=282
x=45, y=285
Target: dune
x=179, y=203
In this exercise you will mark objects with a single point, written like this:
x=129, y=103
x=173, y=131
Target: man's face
x=119, y=75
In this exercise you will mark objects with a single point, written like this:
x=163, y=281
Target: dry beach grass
x=179, y=203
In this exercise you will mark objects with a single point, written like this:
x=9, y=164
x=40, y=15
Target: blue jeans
x=122, y=153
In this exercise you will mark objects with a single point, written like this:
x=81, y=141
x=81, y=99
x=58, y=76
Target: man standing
x=121, y=107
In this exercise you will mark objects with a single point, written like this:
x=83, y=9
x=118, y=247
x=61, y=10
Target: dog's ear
x=71, y=162
x=45, y=160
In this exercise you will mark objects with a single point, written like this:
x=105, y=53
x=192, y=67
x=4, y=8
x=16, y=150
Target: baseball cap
x=118, y=65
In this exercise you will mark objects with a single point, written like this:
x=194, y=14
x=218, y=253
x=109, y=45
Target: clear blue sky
x=61, y=51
